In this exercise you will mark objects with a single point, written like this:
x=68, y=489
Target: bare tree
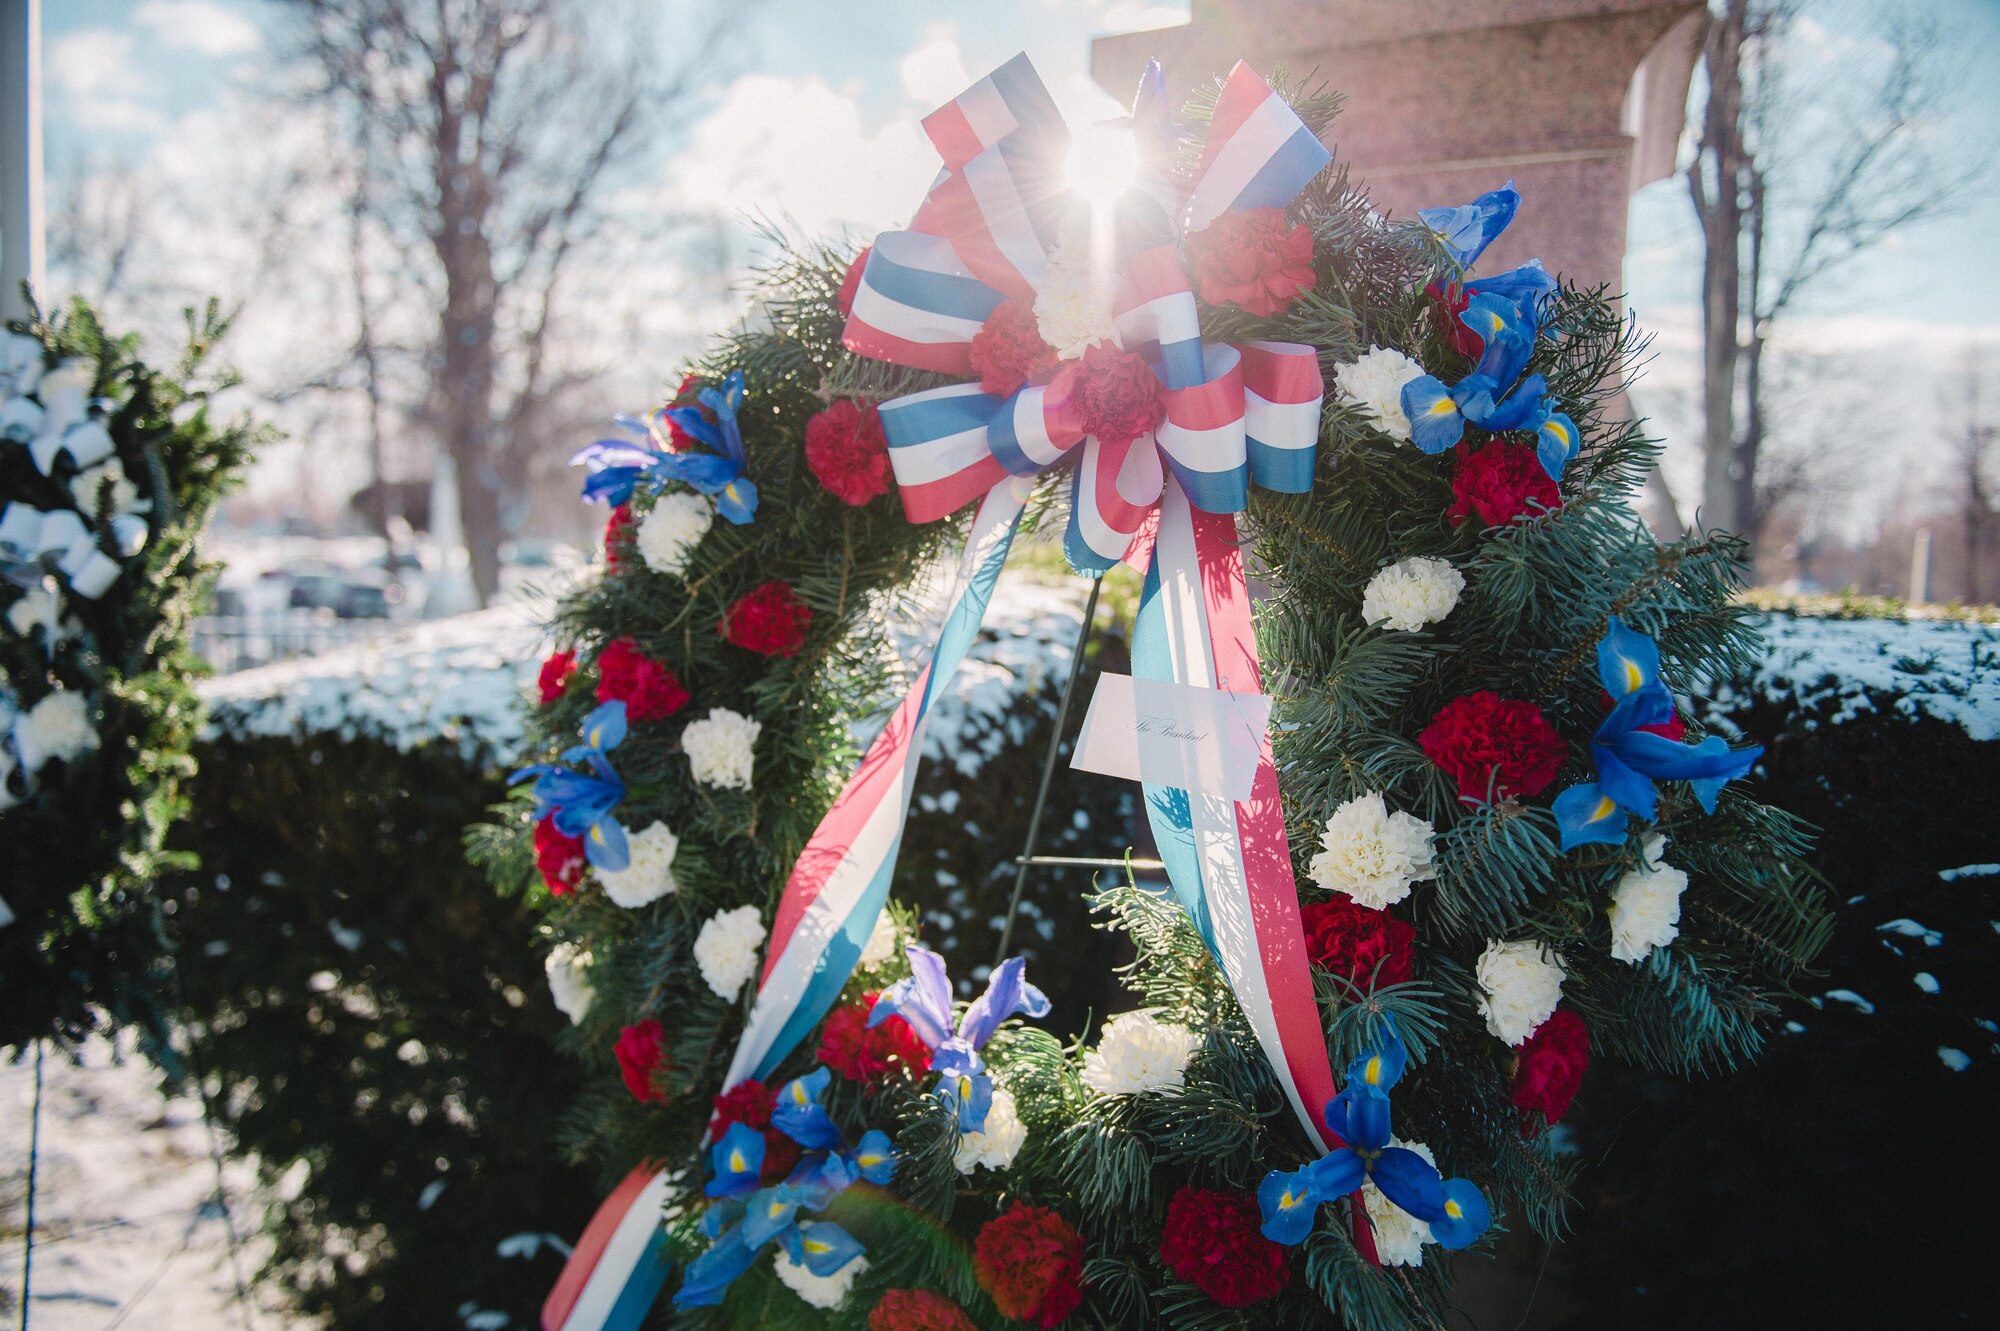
x=488, y=135
x=1791, y=180
x=1978, y=443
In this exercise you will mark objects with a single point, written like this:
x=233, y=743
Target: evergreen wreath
x=108, y=470
x=1466, y=619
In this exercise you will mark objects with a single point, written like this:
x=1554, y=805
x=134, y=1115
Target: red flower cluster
x=646, y=687
x=771, y=621
x=1212, y=1241
x=1115, y=393
x=1447, y=303
x=1252, y=260
x=1551, y=1065
x=1030, y=1263
x=617, y=536
x=1367, y=948
x=852, y=282
x=1484, y=738
x=846, y=451
x=917, y=1310
x=750, y=1103
x=639, y=1057
x=555, y=676
x=1501, y=482
x=867, y=1056
x=1008, y=350
x=559, y=857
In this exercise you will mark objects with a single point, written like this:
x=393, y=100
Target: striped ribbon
x=618, y=1267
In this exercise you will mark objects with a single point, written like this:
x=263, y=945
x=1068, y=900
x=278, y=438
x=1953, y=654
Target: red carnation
x=750, y=1103
x=857, y=1053
x=1115, y=393
x=1030, y=1263
x=771, y=621
x=684, y=396
x=1551, y=1065
x=555, y=676
x=1252, y=260
x=1008, y=350
x=1367, y=948
x=639, y=1058
x=1212, y=1241
x=917, y=1310
x=852, y=282
x=1484, y=738
x=617, y=536
x=1501, y=482
x=846, y=451
x=1447, y=303
x=646, y=687
x=559, y=857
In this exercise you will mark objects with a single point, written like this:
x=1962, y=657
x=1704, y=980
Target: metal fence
x=237, y=642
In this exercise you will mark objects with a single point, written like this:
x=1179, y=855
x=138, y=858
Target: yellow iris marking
x=1374, y=1075
x=1634, y=677
x=1453, y=1209
x=1289, y=1200
x=965, y=1088
x=737, y=1164
x=1555, y=428
x=1605, y=805
x=1444, y=406
x=777, y=1209
x=597, y=834
x=818, y=1245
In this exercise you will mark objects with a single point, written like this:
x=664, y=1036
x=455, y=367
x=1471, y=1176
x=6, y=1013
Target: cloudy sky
x=818, y=123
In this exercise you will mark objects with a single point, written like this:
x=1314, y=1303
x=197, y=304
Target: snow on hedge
x=464, y=679
x=1948, y=669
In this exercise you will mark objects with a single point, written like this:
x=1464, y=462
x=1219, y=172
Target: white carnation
x=1371, y=854
x=1411, y=593
x=1399, y=1236
x=1073, y=305
x=57, y=727
x=650, y=873
x=1375, y=384
x=1520, y=985
x=668, y=535
x=86, y=487
x=569, y=980
x=995, y=1145
x=40, y=608
x=726, y=949
x=881, y=944
x=1138, y=1052
x=721, y=748
x=20, y=363
x=819, y=1291
x=1646, y=906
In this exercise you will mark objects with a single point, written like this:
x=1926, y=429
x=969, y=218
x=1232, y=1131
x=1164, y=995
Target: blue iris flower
x=1455, y=1209
x=1629, y=758
x=924, y=1000
x=619, y=467
x=1527, y=286
x=1490, y=397
x=719, y=473
x=744, y=1217
x=581, y=802
x=1466, y=231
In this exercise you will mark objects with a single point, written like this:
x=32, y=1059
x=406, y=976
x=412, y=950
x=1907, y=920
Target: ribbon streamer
x=618, y=1267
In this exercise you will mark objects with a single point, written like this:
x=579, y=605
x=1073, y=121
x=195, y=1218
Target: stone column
x=1579, y=102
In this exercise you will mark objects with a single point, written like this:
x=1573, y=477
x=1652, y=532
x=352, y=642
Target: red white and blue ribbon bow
x=1233, y=415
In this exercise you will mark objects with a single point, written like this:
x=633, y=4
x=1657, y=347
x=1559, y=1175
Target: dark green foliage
x=1351, y=700
x=1845, y=1180
x=374, y=1026
x=80, y=850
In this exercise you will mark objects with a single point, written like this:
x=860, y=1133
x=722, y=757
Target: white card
x=1206, y=741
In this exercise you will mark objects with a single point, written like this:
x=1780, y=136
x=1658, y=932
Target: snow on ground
x=127, y=1230
x=1949, y=669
